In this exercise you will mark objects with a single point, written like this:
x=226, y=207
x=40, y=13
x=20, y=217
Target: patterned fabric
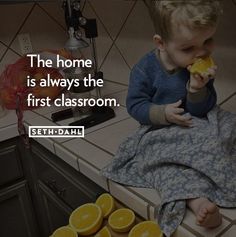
x=181, y=163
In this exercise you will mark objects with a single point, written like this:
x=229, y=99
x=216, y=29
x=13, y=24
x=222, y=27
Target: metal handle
x=55, y=188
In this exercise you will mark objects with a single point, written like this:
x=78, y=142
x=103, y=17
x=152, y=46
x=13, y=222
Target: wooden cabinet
x=16, y=213
x=10, y=162
x=38, y=190
x=58, y=189
x=56, y=213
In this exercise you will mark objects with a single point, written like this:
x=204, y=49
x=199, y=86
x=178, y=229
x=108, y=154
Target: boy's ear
x=159, y=42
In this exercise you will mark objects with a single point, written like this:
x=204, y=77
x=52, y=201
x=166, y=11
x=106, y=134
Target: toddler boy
x=161, y=89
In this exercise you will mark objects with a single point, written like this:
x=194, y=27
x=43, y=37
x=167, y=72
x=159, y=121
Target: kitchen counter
x=89, y=154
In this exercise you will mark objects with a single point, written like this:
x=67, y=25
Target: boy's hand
x=173, y=115
x=198, y=81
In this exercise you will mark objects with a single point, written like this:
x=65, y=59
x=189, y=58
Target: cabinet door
x=16, y=212
x=10, y=162
x=58, y=189
x=55, y=212
x=72, y=187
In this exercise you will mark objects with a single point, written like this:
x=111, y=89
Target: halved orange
x=107, y=204
x=64, y=231
x=146, y=229
x=104, y=232
x=86, y=219
x=121, y=220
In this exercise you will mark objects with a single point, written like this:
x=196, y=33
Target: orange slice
x=107, y=204
x=121, y=220
x=146, y=229
x=86, y=219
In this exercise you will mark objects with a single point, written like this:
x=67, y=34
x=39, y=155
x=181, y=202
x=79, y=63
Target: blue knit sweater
x=150, y=84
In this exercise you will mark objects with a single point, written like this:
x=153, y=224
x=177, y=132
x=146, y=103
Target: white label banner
x=56, y=131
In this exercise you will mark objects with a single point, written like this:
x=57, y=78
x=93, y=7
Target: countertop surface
x=125, y=33
x=89, y=154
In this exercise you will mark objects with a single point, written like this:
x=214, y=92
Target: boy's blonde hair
x=192, y=13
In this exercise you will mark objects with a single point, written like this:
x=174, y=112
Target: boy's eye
x=208, y=41
x=188, y=50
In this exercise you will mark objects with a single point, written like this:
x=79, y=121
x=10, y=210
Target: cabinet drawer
x=10, y=162
x=67, y=183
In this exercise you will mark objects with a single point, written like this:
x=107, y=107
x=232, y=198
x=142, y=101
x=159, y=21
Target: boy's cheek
x=184, y=60
x=188, y=60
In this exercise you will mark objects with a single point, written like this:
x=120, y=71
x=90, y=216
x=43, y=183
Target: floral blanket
x=181, y=163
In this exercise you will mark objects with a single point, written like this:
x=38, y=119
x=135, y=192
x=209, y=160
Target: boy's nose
x=203, y=53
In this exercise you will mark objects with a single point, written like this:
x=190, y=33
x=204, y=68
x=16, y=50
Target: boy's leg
x=207, y=213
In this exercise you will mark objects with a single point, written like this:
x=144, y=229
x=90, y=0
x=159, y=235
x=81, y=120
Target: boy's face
x=188, y=44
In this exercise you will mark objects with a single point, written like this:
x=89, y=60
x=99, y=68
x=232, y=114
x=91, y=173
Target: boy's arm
x=139, y=100
x=201, y=102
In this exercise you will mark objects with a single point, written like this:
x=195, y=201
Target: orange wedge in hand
x=201, y=65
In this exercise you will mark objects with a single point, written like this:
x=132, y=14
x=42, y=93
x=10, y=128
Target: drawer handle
x=54, y=187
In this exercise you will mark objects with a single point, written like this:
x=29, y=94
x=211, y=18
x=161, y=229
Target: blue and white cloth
x=181, y=163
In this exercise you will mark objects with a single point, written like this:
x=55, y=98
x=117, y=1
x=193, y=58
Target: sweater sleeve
x=201, y=102
x=139, y=100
